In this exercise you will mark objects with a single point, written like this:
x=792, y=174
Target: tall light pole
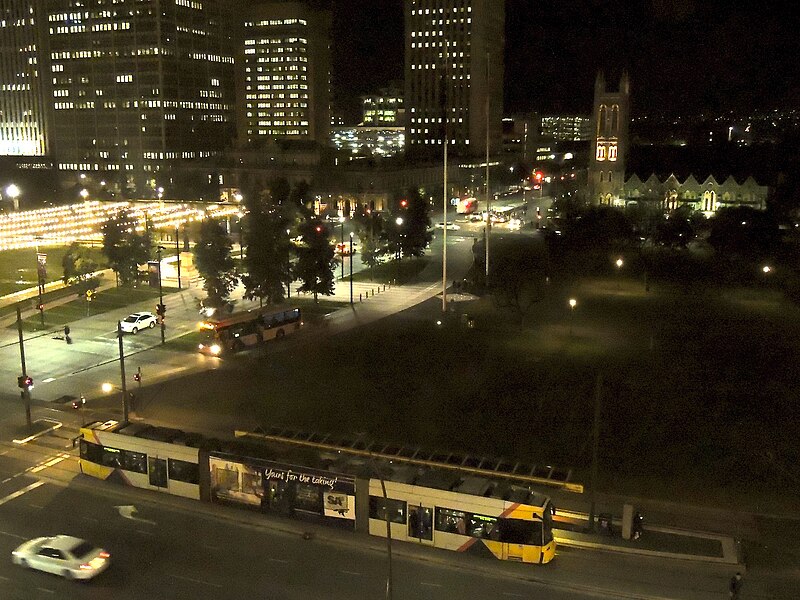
x=25, y=393
x=41, y=276
x=160, y=296
x=289, y=266
x=488, y=193
x=178, y=253
x=341, y=222
x=572, y=304
x=122, y=372
x=619, y=262
x=445, y=194
x=351, y=268
x=12, y=191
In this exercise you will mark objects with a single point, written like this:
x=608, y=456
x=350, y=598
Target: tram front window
x=516, y=531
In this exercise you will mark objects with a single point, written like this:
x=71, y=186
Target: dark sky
x=682, y=55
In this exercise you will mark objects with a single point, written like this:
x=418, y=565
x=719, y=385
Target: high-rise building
x=454, y=66
x=566, y=128
x=140, y=84
x=284, y=73
x=24, y=78
x=384, y=109
x=610, y=119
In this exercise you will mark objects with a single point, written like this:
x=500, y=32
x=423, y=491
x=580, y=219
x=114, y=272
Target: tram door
x=420, y=524
x=157, y=472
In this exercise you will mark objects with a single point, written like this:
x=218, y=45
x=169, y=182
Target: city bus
x=247, y=329
x=425, y=502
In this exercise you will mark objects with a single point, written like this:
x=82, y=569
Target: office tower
x=24, y=78
x=284, y=74
x=139, y=85
x=454, y=65
x=566, y=128
x=384, y=109
x=610, y=119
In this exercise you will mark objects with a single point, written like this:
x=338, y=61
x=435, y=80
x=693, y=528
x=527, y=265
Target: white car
x=70, y=557
x=450, y=225
x=137, y=321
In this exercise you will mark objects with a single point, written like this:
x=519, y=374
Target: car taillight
x=87, y=567
x=104, y=555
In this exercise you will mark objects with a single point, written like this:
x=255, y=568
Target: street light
x=619, y=264
x=572, y=304
x=160, y=294
x=351, y=268
x=766, y=269
x=341, y=222
x=13, y=192
x=84, y=194
x=289, y=267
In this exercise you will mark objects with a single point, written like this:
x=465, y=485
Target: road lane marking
x=216, y=585
x=278, y=560
x=14, y=535
x=351, y=572
x=50, y=463
x=430, y=584
x=48, y=380
x=91, y=519
x=513, y=594
x=35, y=505
x=19, y=493
x=4, y=578
x=46, y=590
x=143, y=532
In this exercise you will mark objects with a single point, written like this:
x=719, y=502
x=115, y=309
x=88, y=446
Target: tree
x=266, y=260
x=124, y=247
x=315, y=261
x=79, y=266
x=744, y=232
x=517, y=278
x=413, y=232
x=212, y=255
x=370, y=230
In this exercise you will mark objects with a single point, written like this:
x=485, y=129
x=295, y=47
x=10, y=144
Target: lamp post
x=572, y=304
x=12, y=191
x=41, y=276
x=399, y=222
x=289, y=266
x=619, y=264
x=351, y=268
x=122, y=375
x=178, y=253
x=84, y=194
x=341, y=223
x=160, y=294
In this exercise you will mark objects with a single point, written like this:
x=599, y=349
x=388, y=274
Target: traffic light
x=25, y=382
x=404, y=203
x=161, y=310
x=137, y=377
x=538, y=176
x=40, y=307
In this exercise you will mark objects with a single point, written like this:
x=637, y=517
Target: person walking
x=736, y=586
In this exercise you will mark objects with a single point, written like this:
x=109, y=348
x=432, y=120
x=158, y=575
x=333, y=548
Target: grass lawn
x=404, y=271
x=698, y=389
x=18, y=267
x=58, y=316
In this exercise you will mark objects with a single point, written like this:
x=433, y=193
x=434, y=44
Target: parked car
x=64, y=555
x=450, y=225
x=137, y=321
x=344, y=248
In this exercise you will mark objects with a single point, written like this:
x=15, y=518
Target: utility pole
x=595, y=450
x=488, y=193
x=160, y=296
x=445, y=194
x=25, y=393
x=351, y=268
x=178, y=252
x=122, y=374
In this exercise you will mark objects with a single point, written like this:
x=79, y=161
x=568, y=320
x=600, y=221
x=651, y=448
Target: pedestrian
x=638, y=519
x=736, y=585
x=66, y=334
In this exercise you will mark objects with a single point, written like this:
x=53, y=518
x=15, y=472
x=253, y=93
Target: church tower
x=610, y=118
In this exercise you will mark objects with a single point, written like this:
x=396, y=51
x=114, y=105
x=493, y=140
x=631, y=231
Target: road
x=175, y=548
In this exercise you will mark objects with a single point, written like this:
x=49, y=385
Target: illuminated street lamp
x=619, y=264
x=84, y=194
x=107, y=387
x=351, y=268
x=289, y=267
x=341, y=222
x=12, y=191
x=766, y=269
x=572, y=304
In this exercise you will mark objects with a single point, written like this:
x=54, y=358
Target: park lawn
x=58, y=316
x=403, y=271
x=698, y=389
x=18, y=267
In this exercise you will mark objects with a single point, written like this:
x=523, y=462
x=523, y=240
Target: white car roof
x=62, y=542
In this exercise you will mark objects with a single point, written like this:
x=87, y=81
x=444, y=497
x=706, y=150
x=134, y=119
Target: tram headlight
x=215, y=349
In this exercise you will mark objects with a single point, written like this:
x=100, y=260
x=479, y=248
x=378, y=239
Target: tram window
x=480, y=526
x=308, y=497
x=134, y=461
x=111, y=458
x=91, y=452
x=451, y=521
x=180, y=470
x=517, y=531
x=547, y=525
x=378, y=507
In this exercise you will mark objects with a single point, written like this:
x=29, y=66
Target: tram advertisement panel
x=282, y=488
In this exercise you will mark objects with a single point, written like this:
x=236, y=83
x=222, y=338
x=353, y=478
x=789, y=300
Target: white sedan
x=137, y=321
x=70, y=557
x=449, y=225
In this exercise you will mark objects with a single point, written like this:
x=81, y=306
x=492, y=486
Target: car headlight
x=215, y=349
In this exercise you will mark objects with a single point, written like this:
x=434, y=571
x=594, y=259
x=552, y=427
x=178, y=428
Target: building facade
x=707, y=197
x=453, y=71
x=610, y=119
x=139, y=85
x=565, y=128
x=284, y=74
x=24, y=78
x=384, y=109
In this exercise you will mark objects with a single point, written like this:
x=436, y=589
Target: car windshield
x=131, y=319
x=82, y=549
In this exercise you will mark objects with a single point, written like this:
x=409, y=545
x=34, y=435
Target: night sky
x=682, y=55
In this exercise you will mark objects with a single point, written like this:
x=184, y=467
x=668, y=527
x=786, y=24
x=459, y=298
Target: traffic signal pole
x=25, y=392
x=122, y=374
